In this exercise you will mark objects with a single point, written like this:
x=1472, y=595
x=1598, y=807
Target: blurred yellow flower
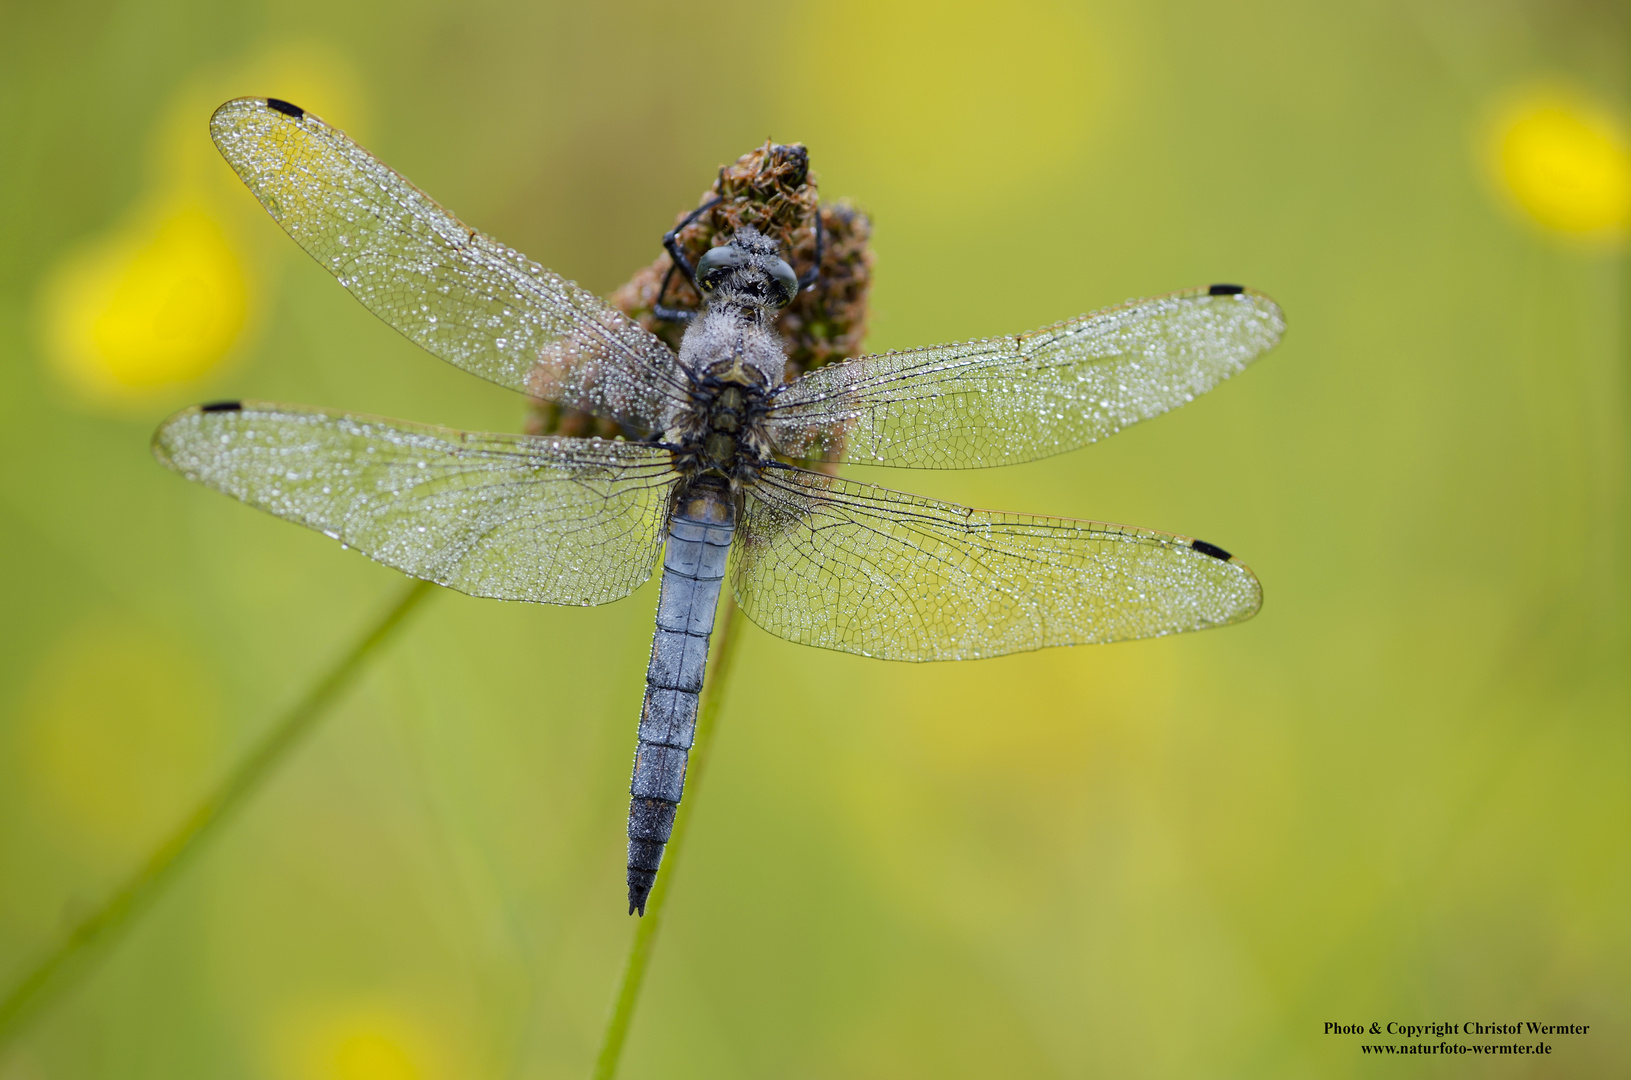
x=372, y=1055
x=159, y=303
x=1564, y=160
x=118, y=731
x=372, y=1040
x=166, y=296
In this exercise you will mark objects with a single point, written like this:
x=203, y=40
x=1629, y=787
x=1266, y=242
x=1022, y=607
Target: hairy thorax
x=734, y=359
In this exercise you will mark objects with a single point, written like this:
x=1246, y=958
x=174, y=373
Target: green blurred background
x=1400, y=793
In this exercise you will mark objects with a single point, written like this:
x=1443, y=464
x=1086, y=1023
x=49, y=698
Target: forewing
x=1011, y=399
x=862, y=569
x=517, y=517
x=460, y=294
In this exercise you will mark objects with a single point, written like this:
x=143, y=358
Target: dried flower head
x=772, y=189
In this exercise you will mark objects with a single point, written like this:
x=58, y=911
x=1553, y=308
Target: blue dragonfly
x=729, y=472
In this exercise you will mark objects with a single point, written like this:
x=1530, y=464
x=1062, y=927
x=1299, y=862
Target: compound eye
x=786, y=281
x=714, y=264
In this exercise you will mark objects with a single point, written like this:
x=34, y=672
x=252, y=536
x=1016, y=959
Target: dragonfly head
x=747, y=272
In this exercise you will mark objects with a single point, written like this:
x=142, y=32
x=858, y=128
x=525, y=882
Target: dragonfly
x=731, y=468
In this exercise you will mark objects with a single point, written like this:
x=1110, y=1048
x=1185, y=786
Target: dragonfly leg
x=668, y=314
x=810, y=276
x=671, y=243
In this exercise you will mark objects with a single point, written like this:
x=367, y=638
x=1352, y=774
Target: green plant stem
x=645, y=931
x=101, y=927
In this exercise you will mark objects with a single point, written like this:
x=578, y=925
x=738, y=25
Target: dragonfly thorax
x=744, y=286
x=733, y=356
x=724, y=433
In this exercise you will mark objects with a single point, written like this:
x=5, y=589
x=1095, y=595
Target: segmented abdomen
x=699, y=538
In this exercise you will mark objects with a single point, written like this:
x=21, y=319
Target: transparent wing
x=863, y=569
x=517, y=517
x=1012, y=399
x=460, y=294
